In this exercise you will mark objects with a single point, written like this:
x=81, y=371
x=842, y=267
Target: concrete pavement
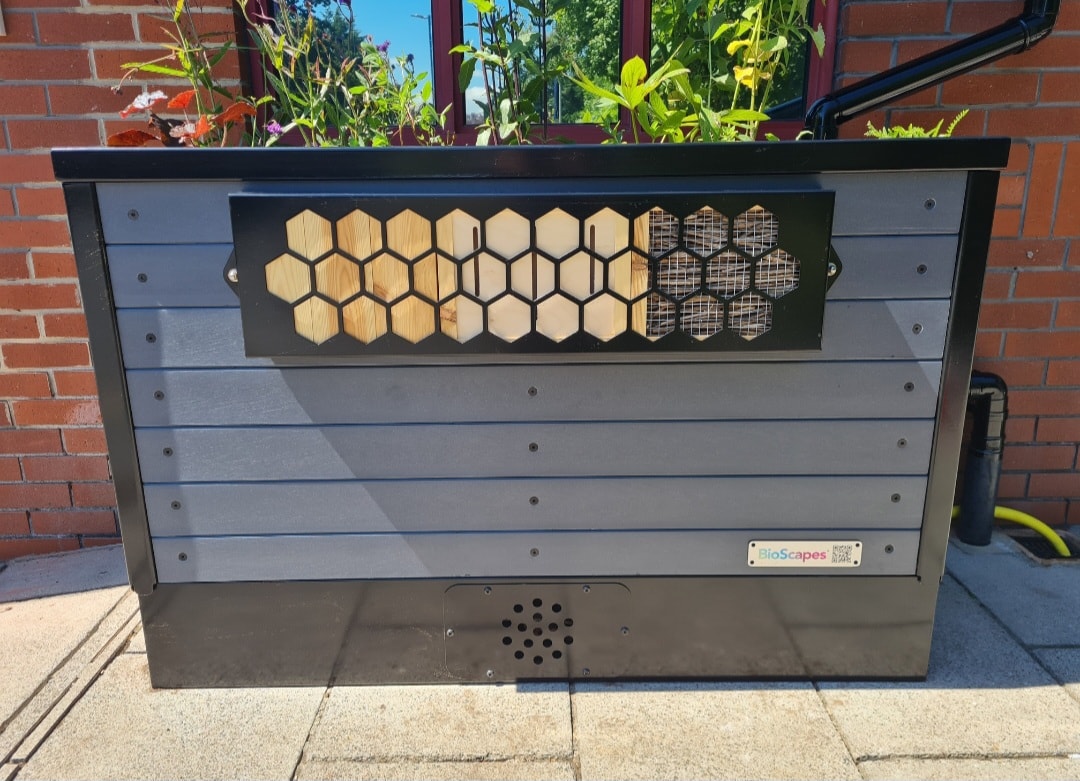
x=1002, y=701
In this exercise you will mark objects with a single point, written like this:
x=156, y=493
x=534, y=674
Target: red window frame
x=447, y=31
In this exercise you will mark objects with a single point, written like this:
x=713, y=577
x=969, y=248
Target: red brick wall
x=57, y=64
x=60, y=58
x=1029, y=331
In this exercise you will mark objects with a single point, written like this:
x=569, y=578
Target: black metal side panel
x=84, y=221
x=664, y=270
x=424, y=631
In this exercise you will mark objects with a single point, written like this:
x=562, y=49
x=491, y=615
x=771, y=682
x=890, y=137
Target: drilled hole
x=507, y=623
x=568, y=622
x=553, y=627
x=547, y=644
x=519, y=654
x=538, y=631
x=538, y=602
x=518, y=608
x=507, y=641
x=538, y=660
x=569, y=640
x=538, y=616
x=556, y=608
x=528, y=643
x=522, y=627
x=556, y=654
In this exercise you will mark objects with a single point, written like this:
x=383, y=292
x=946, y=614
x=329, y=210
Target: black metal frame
x=310, y=632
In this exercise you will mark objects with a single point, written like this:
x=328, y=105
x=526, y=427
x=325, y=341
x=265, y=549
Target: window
x=597, y=35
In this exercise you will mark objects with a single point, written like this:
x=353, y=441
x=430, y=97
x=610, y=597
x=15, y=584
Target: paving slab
x=997, y=769
x=443, y=723
x=1064, y=665
x=123, y=729
x=985, y=695
x=37, y=636
x=512, y=770
x=137, y=645
x=1036, y=601
x=706, y=730
x=62, y=573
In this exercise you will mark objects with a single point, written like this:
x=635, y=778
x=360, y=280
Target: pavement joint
x=575, y=757
x=311, y=730
x=836, y=726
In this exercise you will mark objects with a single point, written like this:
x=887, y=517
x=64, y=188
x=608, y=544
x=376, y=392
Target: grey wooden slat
x=216, y=509
x=854, y=330
x=493, y=555
x=866, y=202
x=561, y=450
x=438, y=394
x=890, y=266
x=190, y=274
x=147, y=275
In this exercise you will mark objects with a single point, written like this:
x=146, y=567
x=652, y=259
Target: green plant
x=914, y=131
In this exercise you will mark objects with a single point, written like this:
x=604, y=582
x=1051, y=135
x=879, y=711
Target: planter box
x=416, y=415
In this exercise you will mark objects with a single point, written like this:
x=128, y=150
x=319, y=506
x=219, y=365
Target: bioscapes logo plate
x=804, y=553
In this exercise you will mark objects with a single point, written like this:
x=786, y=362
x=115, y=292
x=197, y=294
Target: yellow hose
x=1030, y=521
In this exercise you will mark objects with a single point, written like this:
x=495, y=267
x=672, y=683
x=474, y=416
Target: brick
x=23, y=442
x=36, y=133
x=1054, y=51
x=894, y=19
x=1011, y=190
x=1064, y=373
x=974, y=17
x=1044, y=402
x=84, y=440
x=1042, y=189
x=80, y=28
x=65, y=468
x=1036, y=121
x=997, y=285
x=1006, y=223
x=40, y=201
x=97, y=542
x=87, y=99
x=1050, y=512
x=19, y=28
x=5, y=415
x=988, y=344
x=1020, y=430
x=995, y=88
x=45, y=356
x=1031, y=458
x=74, y=522
x=34, y=232
x=36, y=4
x=1073, y=514
x=25, y=167
x=45, y=65
x=10, y=470
x=211, y=26
x=1016, y=373
x=1059, y=87
x=1059, y=430
x=109, y=66
x=1050, y=344
x=73, y=325
x=7, y=203
x=1053, y=486
x=36, y=546
x=13, y=265
x=1014, y=315
x=22, y=297
x=1012, y=486
x=26, y=496
x=74, y=384
x=865, y=56
x=93, y=494
x=1068, y=217
x=14, y=523
x=57, y=412
x=54, y=265
x=1068, y=314
x=912, y=48
x=1027, y=253
x=22, y=100
x=1047, y=284
x=18, y=327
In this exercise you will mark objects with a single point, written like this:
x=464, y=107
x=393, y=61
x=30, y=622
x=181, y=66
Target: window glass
x=531, y=48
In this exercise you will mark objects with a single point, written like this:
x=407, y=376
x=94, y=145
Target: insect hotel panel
x=493, y=415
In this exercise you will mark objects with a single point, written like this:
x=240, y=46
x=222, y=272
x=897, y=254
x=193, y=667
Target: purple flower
x=383, y=47
x=409, y=59
x=274, y=128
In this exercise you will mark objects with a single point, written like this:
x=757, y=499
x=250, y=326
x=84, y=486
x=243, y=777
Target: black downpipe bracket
x=826, y=114
x=988, y=401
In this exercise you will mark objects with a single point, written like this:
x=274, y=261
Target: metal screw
x=233, y=276
x=909, y=386
x=534, y=500
x=901, y=442
x=534, y=552
x=133, y=214
x=929, y=204
x=625, y=630
x=586, y=589
x=142, y=277
x=182, y=557
x=586, y=672
x=533, y=391
x=167, y=451
x=533, y=447
x=917, y=328
x=449, y=632
x=151, y=338
x=921, y=268
x=487, y=589
x=176, y=505
x=490, y=673
x=895, y=498
x=159, y=395
x=833, y=269
x=888, y=548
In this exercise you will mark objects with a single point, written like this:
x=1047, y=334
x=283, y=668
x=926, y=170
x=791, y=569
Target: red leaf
x=202, y=127
x=182, y=101
x=130, y=138
x=234, y=113
x=143, y=102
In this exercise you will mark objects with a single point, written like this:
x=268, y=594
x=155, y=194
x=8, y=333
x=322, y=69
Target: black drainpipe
x=988, y=401
x=1016, y=35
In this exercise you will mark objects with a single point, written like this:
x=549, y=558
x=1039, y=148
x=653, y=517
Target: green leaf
x=773, y=45
x=634, y=71
x=462, y=48
x=221, y=53
x=743, y=115
x=483, y=136
x=178, y=9
x=483, y=6
x=818, y=37
x=465, y=75
x=149, y=67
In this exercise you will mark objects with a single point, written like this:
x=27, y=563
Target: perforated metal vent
x=536, y=633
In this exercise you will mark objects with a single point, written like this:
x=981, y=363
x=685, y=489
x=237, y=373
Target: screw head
x=159, y=395
x=917, y=328
x=533, y=391
x=142, y=277
x=166, y=451
x=585, y=589
x=534, y=552
x=901, y=442
x=929, y=204
x=921, y=268
x=625, y=631
x=233, y=276
x=490, y=673
x=133, y=214
x=833, y=269
x=449, y=632
x=534, y=500
x=176, y=505
x=895, y=498
x=586, y=672
x=151, y=338
x=889, y=549
x=182, y=556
